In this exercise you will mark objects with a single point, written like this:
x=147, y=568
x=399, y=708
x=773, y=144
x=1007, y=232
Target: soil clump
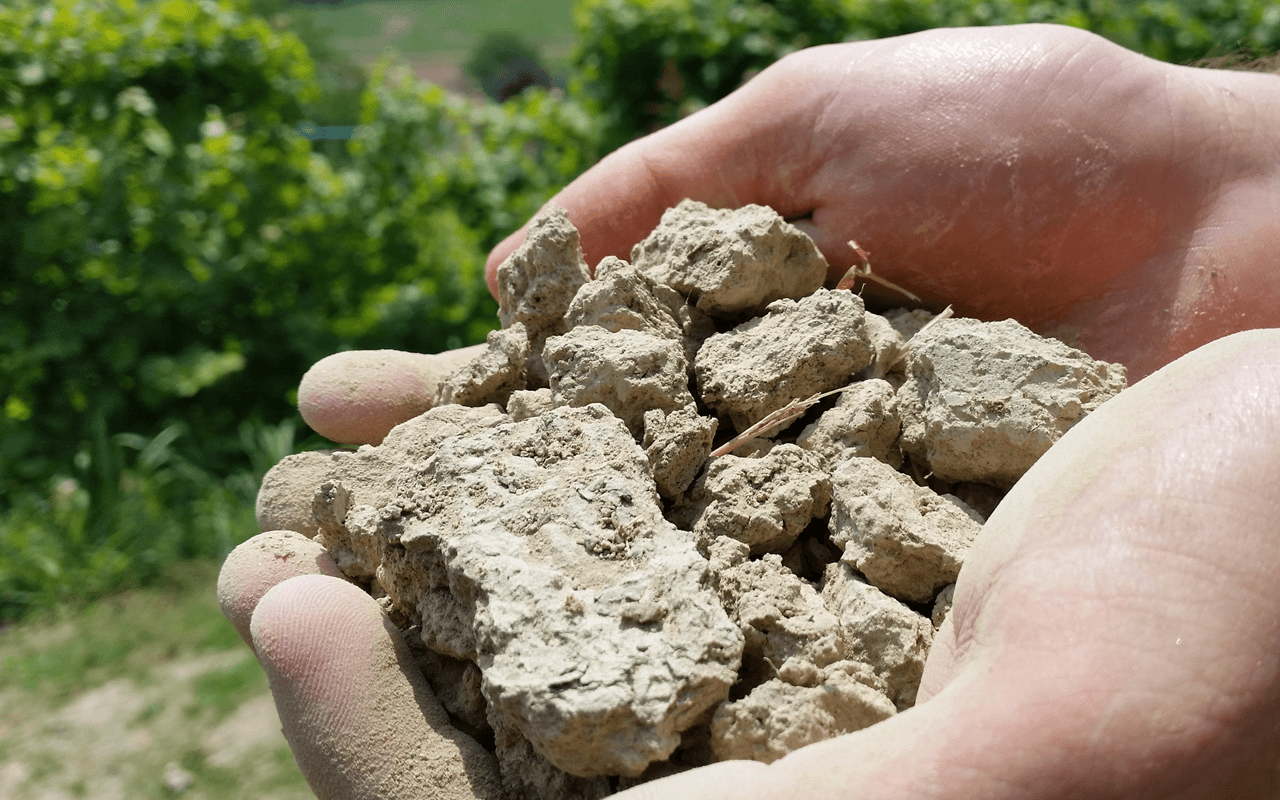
x=601, y=601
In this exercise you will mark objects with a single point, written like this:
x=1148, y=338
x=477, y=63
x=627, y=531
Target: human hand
x=1035, y=172
x=1008, y=700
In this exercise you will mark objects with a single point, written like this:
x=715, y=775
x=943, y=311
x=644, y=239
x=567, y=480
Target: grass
x=140, y=507
x=444, y=28
x=101, y=699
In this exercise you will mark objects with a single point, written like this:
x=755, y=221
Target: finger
x=260, y=563
x=358, y=396
x=356, y=711
x=747, y=148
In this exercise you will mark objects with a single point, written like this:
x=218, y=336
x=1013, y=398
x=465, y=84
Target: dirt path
x=167, y=735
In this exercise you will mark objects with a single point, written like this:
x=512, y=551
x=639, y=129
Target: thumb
x=354, y=706
x=358, y=396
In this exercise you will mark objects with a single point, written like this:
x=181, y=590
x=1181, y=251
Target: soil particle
x=529, y=403
x=864, y=423
x=526, y=546
x=879, y=631
x=782, y=617
x=629, y=372
x=596, y=638
x=906, y=539
x=797, y=349
x=764, y=502
x=778, y=717
x=984, y=400
x=284, y=500
x=493, y=375
x=537, y=282
x=730, y=262
x=677, y=445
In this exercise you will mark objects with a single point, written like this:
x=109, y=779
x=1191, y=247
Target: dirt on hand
x=603, y=601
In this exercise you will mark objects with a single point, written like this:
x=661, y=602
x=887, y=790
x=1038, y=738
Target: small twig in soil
x=776, y=420
x=863, y=271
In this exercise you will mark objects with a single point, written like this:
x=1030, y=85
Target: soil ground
x=148, y=694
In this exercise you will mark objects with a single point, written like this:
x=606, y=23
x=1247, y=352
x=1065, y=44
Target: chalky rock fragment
x=908, y=322
x=491, y=376
x=730, y=262
x=942, y=606
x=781, y=616
x=629, y=372
x=764, y=502
x=526, y=403
x=344, y=505
x=799, y=348
x=907, y=540
x=284, y=498
x=863, y=423
x=526, y=775
x=879, y=631
x=889, y=346
x=778, y=718
x=984, y=400
x=537, y=282
x=538, y=549
x=620, y=298
x=677, y=445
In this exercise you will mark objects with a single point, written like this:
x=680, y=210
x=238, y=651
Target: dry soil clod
x=621, y=599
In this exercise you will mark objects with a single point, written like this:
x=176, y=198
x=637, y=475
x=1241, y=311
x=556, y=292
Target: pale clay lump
x=613, y=603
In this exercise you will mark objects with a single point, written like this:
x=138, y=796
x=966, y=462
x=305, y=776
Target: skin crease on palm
x=1116, y=630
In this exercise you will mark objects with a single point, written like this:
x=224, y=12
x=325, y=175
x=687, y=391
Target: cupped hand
x=1035, y=172
x=1114, y=632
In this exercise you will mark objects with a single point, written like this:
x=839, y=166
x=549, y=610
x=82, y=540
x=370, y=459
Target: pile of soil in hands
x=600, y=600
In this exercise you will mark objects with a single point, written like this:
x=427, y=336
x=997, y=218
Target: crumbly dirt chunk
x=537, y=282
x=889, y=346
x=284, y=498
x=864, y=423
x=730, y=262
x=765, y=502
x=908, y=322
x=781, y=616
x=942, y=606
x=526, y=403
x=984, y=400
x=622, y=298
x=529, y=544
x=799, y=348
x=629, y=372
x=677, y=445
x=879, y=631
x=778, y=718
x=493, y=375
x=906, y=539
x=366, y=479
x=526, y=775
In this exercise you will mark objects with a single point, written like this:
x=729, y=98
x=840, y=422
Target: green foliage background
x=175, y=253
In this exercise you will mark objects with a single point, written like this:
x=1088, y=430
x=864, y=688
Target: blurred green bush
x=176, y=251
x=646, y=63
